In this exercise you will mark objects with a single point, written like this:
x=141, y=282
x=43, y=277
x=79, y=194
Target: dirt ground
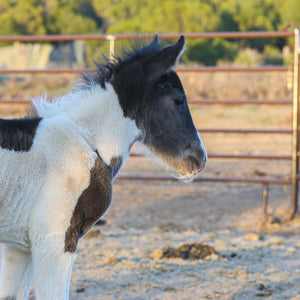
x=255, y=259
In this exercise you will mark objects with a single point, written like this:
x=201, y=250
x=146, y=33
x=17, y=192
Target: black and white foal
x=56, y=169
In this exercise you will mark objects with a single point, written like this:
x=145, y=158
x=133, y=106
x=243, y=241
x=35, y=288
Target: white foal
x=57, y=168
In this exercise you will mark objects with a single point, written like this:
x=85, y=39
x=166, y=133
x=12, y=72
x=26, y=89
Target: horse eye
x=179, y=101
x=164, y=85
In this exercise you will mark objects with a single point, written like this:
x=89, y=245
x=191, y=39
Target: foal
x=56, y=169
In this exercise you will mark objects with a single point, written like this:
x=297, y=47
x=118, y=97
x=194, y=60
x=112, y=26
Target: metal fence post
x=111, y=40
x=16, y=54
x=295, y=138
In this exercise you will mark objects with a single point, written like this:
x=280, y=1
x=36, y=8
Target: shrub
x=208, y=52
x=248, y=57
x=272, y=56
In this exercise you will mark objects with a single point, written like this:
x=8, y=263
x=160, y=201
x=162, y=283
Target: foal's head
x=151, y=93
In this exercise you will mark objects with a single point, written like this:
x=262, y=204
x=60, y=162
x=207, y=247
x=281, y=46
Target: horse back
x=18, y=134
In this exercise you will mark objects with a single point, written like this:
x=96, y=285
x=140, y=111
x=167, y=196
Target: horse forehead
x=172, y=77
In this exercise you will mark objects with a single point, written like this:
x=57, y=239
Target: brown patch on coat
x=91, y=205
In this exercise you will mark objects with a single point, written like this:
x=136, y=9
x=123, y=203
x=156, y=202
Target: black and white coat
x=57, y=168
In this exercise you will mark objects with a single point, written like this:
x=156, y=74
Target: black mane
x=106, y=66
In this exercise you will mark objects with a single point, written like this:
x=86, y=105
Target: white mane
x=47, y=108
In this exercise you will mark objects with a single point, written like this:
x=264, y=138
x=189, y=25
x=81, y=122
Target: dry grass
x=34, y=85
x=198, y=85
x=236, y=85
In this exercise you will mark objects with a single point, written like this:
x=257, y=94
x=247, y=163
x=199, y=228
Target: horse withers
x=57, y=167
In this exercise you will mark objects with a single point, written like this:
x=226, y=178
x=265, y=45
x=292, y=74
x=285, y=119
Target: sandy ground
x=255, y=259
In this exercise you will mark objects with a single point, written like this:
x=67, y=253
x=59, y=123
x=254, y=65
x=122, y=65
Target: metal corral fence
x=265, y=182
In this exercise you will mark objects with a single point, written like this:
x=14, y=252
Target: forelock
x=106, y=67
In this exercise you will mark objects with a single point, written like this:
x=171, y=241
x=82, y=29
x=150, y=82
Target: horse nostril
x=198, y=158
x=194, y=161
x=189, y=147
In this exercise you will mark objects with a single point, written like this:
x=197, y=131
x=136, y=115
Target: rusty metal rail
x=265, y=182
x=180, y=70
x=240, y=101
x=194, y=101
x=245, y=130
x=239, y=156
x=105, y=37
x=47, y=71
x=233, y=69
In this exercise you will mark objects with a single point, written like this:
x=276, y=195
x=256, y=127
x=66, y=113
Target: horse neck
x=98, y=111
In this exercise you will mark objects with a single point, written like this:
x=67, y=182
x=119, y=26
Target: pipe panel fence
x=292, y=180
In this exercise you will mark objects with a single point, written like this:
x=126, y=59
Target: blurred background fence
x=42, y=55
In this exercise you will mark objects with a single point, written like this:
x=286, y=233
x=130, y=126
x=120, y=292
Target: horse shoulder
x=78, y=188
x=68, y=160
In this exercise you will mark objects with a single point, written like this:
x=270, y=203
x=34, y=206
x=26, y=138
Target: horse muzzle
x=196, y=159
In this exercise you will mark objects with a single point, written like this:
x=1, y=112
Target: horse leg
x=16, y=273
x=26, y=281
x=52, y=268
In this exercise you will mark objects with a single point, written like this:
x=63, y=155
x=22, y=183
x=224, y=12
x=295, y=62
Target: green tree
x=208, y=52
x=21, y=17
x=70, y=17
x=48, y=17
x=151, y=16
x=290, y=12
x=148, y=16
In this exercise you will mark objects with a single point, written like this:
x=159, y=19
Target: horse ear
x=155, y=40
x=153, y=46
x=165, y=59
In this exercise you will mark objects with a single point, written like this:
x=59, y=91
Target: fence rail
x=108, y=37
x=179, y=70
x=240, y=156
x=294, y=131
x=193, y=101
